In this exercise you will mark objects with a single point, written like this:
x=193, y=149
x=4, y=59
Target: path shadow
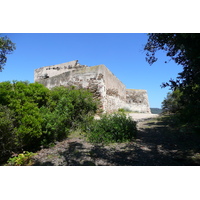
x=48, y=163
x=74, y=155
x=162, y=146
x=155, y=145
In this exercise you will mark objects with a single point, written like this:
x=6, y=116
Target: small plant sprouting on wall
x=127, y=110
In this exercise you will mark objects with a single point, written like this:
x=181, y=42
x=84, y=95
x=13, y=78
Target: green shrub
x=7, y=132
x=41, y=116
x=121, y=110
x=24, y=100
x=21, y=92
x=29, y=126
x=54, y=126
x=184, y=105
x=67, y=110
x=79, y=101
x=171, y=103
x=23, y=159
x=115, y=127
x=127, y=110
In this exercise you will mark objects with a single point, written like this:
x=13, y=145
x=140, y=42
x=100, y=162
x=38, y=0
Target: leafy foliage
x=115, y=127
x=32, y=115
x=184, y=49
x=23, y=159
x=24, y=100
x=65, y=111
x=7, y=131
x=171, y=102
x=6, y=47
x=127, y=110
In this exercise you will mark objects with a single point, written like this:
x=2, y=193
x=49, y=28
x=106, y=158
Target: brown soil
x=155, y=145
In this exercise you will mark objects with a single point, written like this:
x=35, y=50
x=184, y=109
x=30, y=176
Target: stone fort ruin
x=99, y=80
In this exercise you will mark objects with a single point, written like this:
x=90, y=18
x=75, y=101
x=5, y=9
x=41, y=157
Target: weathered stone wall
x=50, y=71
x=89, y=77
x=138, y=100
x=100, y=80
x=115, y=91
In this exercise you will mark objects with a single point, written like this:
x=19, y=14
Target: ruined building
x=100, y=80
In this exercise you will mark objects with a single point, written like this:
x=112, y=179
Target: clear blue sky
x=122, y=53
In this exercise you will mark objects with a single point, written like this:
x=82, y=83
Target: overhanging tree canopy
x=184, y=49
x=6, y=47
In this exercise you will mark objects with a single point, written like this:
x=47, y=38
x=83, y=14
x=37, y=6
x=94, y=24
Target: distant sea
x=156, y=110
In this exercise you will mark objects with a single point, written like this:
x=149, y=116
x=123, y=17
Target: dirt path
x=158, y=145
x=142, y=116
x=155, y=145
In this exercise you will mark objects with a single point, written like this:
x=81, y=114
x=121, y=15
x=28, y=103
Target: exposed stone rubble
x=99, y=80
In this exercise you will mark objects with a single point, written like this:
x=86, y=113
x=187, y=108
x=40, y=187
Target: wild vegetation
x=6, y=47
x=184, y=101
x=32, y=117
x=116, y=127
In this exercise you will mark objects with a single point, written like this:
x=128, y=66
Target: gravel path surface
x=155, y=145
x=142, y=116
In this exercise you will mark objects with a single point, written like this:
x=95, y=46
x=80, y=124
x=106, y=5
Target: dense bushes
x=7, y=131
x=25, y=100
x=184, y=107
x=171, y=102
x=32, y=115
x=115, y=127
x=65, y=111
